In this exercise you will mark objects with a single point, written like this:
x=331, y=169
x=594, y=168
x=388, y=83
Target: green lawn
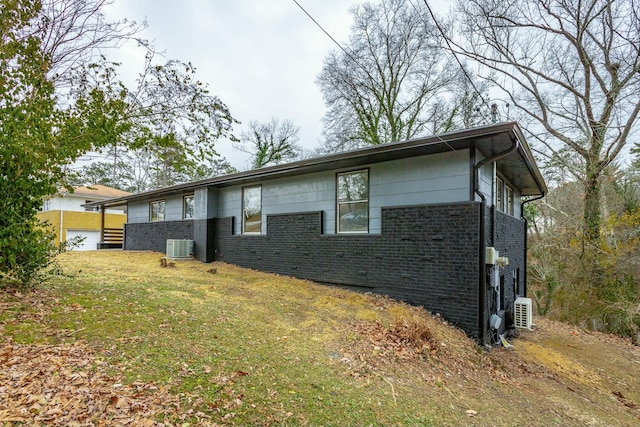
x=253, y=348
x=240, y=347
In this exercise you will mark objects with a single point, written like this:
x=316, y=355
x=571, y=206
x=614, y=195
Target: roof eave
x=460, y=139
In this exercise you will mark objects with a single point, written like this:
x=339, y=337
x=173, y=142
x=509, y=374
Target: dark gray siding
x=426, y=255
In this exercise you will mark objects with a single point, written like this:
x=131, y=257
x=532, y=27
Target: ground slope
x=124, y=341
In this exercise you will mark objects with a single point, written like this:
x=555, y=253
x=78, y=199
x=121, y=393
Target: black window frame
x=500, y=194
x=510, y=199
x=246, y=215
x=164, y=210
x=365, y=201
x=184, y=206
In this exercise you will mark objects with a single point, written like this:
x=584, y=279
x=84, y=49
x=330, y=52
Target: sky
x=260, y=57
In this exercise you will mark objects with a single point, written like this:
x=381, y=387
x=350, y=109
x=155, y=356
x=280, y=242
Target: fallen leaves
x=62, y=385
x=404, y=339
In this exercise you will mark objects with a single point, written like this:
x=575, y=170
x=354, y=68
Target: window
x=157, y=210
x=353, y=202
x=46, y=205
x=499, y=194
x=88, y=209
x=252, y=210
x=188, y=205
x=510, y=201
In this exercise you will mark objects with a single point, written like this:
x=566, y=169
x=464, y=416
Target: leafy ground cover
x=122, y=341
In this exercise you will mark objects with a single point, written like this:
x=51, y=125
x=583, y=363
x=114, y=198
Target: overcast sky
x=260, y=57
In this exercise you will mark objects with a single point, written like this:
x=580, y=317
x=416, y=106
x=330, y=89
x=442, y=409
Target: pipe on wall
x=482, y=290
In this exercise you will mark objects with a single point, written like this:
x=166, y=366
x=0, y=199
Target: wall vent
x=177, y=248
x=522, y=313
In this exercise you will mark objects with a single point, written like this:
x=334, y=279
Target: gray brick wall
x=152, y=236
x=425, y=255
x=509, y=241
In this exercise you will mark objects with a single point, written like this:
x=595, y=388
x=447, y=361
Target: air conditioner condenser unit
x=522, y=313
x=179, y=248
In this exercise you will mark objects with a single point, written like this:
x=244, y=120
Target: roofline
x=306, y=164
x=529, y=160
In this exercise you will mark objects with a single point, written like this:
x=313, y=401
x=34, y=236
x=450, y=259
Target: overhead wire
x=438, y=26
x=448, y=42
x=330, y=36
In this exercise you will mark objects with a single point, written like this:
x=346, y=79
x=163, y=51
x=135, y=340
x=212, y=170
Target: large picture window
x=157, y=210
x=252, y=210
x=353, y=202
x=188, y=205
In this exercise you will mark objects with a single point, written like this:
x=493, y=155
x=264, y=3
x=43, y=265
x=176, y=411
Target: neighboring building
x=411, y=219
x=69, y=218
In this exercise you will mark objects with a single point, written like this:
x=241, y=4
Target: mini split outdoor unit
x=522, y=313
x=177, y=248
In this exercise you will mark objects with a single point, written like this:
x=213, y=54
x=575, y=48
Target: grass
x=276, y=339
x=241, y=347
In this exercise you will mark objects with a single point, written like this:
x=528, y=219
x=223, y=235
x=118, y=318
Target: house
x=434, y=221
x=66, y=213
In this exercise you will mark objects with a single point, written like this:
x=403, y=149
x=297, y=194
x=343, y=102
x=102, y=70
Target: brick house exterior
x=411, y=220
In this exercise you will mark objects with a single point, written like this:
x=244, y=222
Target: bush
x=27, y=253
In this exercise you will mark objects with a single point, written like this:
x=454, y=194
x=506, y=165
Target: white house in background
x=65, y=212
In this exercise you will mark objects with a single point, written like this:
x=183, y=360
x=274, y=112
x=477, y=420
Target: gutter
x=302, y=166
x=482, y=285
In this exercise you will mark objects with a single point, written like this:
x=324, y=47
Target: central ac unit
x=177, y=248
x=522, y=313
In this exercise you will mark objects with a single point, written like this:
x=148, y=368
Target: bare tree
x=572, y=69
x=270, y=143
x=384, y=86
x=74, y=33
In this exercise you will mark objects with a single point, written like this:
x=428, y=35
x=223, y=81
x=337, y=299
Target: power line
x=330, y=36
x=417, y=12
x=446, y=39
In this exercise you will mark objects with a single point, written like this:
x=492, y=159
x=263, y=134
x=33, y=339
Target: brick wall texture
x=509, y=235
x=425, y=255
x=152, y=236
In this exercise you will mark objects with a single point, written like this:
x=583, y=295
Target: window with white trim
x=353, y=202
x=252, y=210
x=157, y=210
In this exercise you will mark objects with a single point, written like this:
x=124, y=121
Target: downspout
x=482, y=290
x=526, y=238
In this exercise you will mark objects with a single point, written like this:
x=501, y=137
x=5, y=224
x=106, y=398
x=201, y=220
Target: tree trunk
x=593, y=224
x=592, y=204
